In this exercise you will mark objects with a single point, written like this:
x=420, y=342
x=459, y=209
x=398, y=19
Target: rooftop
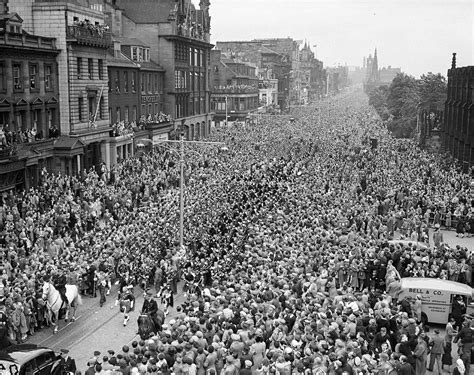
x=156, y=11
x=124, y=41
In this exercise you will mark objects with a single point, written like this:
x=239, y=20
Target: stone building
x=29, y=109
x=265, y=58
x=458, y=131
x=179, y=38
x=83, y=40
x=235, y=92
x=311, y=77
x=375, y=76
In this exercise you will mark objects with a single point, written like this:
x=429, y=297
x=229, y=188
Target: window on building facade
x=149, y=83
x=190, y=107
x=80, y=105
x=147, y=54
x=19, y=120
x=125, y=81
x=79, y=67
x=150, y=109
x=34, y=84
x=4, y=118
x=143, y=82
x=91, y=106
x=117, y=81
x=100, y=66
x=117, y=114
x=2, y=77
x=48, y=77
x=51, y=117
x=15, y=29
x=202, y=82
x=242, y=104
x=155, y=86
x=160, y=83
x=191, y=56
x=134, y=113
x=134, y=81
x=157, y=109
x=90, y=68
x=143, y=109
x=17, y=77
x=176, y=79
x=196, y=105
x=134, y=53
x=35, y=114
x=126, y=114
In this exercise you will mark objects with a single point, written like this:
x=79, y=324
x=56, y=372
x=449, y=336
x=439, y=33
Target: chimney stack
x=453, y=62
x=4, y=7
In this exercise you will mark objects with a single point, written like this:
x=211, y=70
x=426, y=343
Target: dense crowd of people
x=10, y=137
x=287, y=248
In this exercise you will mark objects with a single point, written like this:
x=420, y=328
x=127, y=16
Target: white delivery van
x=436, y=296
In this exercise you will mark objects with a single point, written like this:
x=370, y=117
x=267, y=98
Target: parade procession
x=309, y=236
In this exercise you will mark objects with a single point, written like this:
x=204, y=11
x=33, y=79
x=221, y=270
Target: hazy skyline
x=416, y=35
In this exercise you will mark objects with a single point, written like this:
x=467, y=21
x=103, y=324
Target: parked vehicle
x=29, y=359
x=436, y=296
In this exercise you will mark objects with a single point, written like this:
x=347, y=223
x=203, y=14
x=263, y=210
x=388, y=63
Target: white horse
x=54, y=302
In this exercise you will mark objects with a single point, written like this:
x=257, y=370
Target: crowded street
x=286, y=264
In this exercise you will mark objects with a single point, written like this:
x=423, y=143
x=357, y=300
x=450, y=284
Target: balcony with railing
x=90, y=35
x=235, y=89
x=27, y=41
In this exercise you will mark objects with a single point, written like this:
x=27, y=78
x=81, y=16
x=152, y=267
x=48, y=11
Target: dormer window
x=140, y=53
x=135, y=53
x=15, y=29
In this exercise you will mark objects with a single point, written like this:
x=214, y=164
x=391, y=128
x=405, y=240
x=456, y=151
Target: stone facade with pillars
x=83, y=41
x=28, y=81
x=29, y=106
x=458, y=131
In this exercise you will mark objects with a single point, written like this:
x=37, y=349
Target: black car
x=29, y=359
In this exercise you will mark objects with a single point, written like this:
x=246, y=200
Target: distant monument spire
x=375, y=65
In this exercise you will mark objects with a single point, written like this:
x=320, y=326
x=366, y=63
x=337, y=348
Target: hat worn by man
x=64, y=351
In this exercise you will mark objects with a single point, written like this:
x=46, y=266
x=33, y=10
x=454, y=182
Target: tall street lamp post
x=182, y=144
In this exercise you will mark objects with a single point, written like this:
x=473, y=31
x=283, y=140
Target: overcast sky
x=416, y=35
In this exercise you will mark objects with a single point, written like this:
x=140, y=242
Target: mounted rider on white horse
x=55, y=301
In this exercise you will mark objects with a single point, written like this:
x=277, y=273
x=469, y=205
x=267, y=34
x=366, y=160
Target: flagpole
x=98, y=103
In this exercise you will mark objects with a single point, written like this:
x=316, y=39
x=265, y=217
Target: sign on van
x=436, y=295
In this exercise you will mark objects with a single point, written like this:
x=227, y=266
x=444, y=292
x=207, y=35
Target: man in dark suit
x=150, y=307
x=68, y=363
x=4, y=341
x=405, y=367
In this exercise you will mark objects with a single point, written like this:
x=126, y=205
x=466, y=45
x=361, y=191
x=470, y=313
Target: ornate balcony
x=90, y=35
x=235, y=89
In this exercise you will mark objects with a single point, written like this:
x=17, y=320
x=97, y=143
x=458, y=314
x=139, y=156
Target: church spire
x=375, y=67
